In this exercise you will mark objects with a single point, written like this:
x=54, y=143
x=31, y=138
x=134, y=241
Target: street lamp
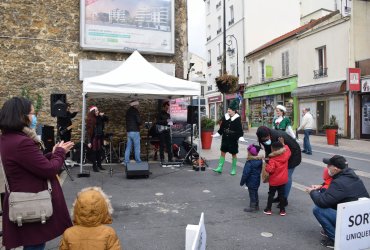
x=231, y=51
x=190, y=66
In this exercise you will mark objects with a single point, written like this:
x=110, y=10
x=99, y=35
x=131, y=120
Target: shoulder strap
x=6, y=180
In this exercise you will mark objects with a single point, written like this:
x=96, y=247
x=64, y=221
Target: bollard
x=336, y=139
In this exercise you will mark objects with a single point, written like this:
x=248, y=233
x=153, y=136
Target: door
x=320, y=115
x=365, y=117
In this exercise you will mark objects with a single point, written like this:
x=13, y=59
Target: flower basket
x=227, y=84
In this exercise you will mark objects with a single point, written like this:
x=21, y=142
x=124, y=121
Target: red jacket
x=278, y=166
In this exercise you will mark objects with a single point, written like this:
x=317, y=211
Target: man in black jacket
x=346, y=186
x=266, y=137
x=133, y=122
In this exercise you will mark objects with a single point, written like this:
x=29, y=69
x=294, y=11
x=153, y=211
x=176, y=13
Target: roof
x=293, y=33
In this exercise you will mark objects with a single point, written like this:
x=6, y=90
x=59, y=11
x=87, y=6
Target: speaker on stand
x=58, y=105
x=192, y=118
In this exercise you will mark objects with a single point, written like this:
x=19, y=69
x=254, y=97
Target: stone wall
x=36, y=38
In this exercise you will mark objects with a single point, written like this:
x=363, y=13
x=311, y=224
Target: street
x=153, y=213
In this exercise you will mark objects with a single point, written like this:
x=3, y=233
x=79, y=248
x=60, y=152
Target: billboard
x=128, y=25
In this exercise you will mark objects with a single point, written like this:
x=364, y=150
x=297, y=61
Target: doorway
x=320, y=115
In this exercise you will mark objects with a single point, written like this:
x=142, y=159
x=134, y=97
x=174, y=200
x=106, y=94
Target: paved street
x=153, y=213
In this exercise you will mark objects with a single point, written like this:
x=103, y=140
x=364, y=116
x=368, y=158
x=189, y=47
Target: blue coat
x=252, y=174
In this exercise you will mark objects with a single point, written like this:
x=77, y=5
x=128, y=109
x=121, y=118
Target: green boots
x=221, y=162
x=233, y=166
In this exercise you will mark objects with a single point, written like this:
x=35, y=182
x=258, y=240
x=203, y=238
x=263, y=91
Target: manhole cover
x=266, y=234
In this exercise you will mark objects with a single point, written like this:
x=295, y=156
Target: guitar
x=63, y=131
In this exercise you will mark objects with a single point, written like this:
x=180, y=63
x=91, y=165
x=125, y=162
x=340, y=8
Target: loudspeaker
x=58, y=105
x=192, y=117
x=47, y=137
x=134, y=169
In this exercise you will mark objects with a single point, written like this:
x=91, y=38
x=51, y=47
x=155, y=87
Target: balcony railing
x=209, y=88
x=218, y=5
x=219, y=31
x=231, y=21
x=209, y=64
x=219, y=58
x=208, y=38
x=322, y=72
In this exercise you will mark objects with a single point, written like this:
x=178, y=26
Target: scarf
x=31, y=133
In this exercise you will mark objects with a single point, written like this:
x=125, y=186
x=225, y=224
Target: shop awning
x=320, y=89
x=271, y=88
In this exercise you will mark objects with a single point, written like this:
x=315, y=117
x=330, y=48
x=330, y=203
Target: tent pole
x=81, y=174
x=199, y=132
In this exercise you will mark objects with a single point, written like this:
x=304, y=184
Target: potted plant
x=207, y=126
x=331, y=129
x=227, y=84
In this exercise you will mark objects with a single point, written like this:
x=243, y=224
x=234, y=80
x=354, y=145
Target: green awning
x=272, y=88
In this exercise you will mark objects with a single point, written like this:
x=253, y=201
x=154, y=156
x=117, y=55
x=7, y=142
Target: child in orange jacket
x=277, y=167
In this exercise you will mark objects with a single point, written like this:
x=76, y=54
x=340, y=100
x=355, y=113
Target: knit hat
x=134, y=103
x=93, y=108
x=234, y=105
x=281, y=107
x=262, y=132
x=253, y=149
x=337, y=161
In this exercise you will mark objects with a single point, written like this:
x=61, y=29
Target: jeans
x=327, y=219
x=253, y=195
x=306, y=141
x=35, y=247
x=288, y=185
x=133, y=138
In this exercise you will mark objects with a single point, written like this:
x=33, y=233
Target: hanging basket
x=227, y=84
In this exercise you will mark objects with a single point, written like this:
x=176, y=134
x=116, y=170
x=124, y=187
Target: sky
x=197, y=27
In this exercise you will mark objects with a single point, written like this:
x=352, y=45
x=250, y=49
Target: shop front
x=262, y=100
x=365, y=109
x=215, y=107
x=324, y=101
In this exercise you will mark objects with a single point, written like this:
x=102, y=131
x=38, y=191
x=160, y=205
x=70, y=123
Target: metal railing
x=322, y=72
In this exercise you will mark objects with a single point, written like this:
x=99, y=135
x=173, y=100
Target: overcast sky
x=197, y=27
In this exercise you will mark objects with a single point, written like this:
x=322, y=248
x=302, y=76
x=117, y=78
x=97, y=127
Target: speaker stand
x=67, y=170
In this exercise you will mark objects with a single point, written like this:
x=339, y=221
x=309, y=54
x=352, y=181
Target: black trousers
x=165, y=140
x=280, y=190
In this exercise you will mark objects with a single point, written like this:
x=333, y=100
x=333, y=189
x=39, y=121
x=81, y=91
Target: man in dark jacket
x=65, y=124
x=164, y=124
x=346, y=186
x=133, y=122
x=266, y=137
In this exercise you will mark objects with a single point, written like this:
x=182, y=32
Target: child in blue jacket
x=252, y=175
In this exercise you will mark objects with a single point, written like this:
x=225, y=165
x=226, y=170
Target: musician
x=95, y=130
x=163, y=127
x=133, y=122
x=65, y=124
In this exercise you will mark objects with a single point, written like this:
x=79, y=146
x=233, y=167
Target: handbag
x=29, y=207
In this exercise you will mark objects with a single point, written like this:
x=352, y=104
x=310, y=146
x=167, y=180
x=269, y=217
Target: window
x=208, y=7
x=202, y=90
x=322, y=69
x=232, y=66
x=285, y=63
x=262, y=70
x=219, y=22
x=231, y=15
x=209, y=58
x=249, y=71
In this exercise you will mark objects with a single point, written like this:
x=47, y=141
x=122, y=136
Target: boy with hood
x=277, y=167
x=91, y=211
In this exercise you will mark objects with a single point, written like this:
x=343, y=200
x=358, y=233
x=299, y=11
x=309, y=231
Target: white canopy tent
x=135, y=78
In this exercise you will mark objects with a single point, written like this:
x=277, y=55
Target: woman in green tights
x=231, y=131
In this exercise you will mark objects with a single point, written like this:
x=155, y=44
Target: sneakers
x=323, y=233
x=267, y=211
x=282, y=213
x=329, y=243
